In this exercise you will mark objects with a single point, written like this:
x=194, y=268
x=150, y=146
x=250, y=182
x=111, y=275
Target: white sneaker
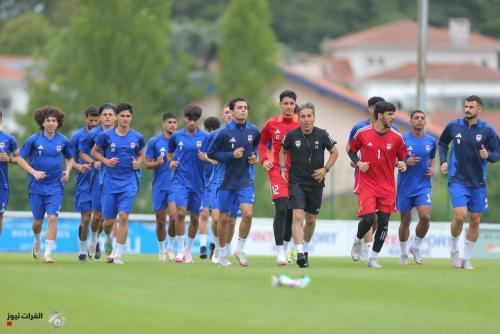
x=223, y=262
x=281, y=259
x=240, y=256
x=35, y=250
x=171, y=255
x=455, y=259
x=118, y=260
x=364, y=253
x=356, y=249
x=372, y=262
x=162, y=257
x=179, y=258
x=215, y=256
x=188, y=257
x=403, y=259
x=92, y=250
x=416, y=255
x=466, y=264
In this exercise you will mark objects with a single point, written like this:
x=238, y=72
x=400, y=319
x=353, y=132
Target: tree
x=247, y=56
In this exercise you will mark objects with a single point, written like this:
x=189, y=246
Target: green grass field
x=145, y=296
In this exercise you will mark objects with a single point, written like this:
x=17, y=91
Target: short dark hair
x=107, y=106
x=382, y=107
x=91, y=111
x=168, y=115
x=211, y=124
x=45, y=112
x=288, y=93
x=192, y=112
x=307, y=105
x=374, y=100
x=231, y=104
x=124, y=106
x=416, y=112
x=474, y=98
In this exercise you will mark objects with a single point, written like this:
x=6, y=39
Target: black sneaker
x=203, y=252
x=82, y=257
x=212, y=249
x=97, y=251
x=302, y=260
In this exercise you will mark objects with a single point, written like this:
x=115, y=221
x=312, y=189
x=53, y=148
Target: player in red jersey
x=381, y=149
x=274, y=131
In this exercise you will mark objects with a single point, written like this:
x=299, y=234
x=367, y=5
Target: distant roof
x=441, y=117
x=442, y=72
x=13, y=68
x=404, y=34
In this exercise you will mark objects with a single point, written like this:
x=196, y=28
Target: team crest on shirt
x=2, y=145
x=112, y=147
x=232, y=141
x=277, y=134
x=297, y=143
x=250, y=138
x=58, y=148
x=479, y=137
x=162, y=151
x=389, y=146
x=316, y=145
x=181, y=145
x=427, y=148
x=132, y=145
x=458, y=136
x=198, y=144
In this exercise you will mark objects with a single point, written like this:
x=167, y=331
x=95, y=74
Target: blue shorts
x=473, y=198
x=96, y=197
x=82, y=201
x=406, y=203
x=41, y=204
x=113, y=203
x=184, y=197
x=228, y=199
x=210, y=197
x=4, y=200
x=161, y=198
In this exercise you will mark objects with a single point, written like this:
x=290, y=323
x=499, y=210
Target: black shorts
x=306, y=197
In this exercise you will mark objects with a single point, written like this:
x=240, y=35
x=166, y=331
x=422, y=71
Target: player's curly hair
x=49, y=111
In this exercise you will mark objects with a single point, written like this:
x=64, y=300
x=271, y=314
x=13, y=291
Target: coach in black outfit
x=308, y=170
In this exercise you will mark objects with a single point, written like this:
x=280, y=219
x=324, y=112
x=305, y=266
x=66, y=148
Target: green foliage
x=25, y=34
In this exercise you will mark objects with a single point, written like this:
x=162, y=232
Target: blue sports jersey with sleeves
x=162, y=176
x=86, y=144
x=46, y=154
x=238, y=173
x=466, y=165
x=413, y=181
x=185, y=146
x=8, y=144
x=82, y=179
x=123, y=177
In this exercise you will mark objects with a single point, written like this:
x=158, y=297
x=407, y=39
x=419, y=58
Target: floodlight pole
x=423, y=18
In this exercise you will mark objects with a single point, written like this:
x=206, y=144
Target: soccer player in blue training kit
x=8, y=146
x=162, y=190
x=184, y=152
x=475, y=142
x=123, y=155
x=42, y=157
x=107, y=118
x=236, y=146
x=209, y=194
x=82, y=200
x=414, y=185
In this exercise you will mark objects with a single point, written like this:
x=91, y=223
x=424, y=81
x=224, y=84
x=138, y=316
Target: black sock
x=288, y=225
x=280, y=207
x=365, y=224
x=381, y=234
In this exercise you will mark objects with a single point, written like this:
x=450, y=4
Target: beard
x=470, y=116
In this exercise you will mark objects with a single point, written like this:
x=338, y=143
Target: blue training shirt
x=466, y=165
x=8, y=144
x=414, y=182
x=82, y=179
x=46, y=155
x=123, y=177
x=238, y=172
x=185, y=146
x=86, y=144
x=162, y=176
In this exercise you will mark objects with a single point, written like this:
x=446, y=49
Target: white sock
x=286, y=246
x=403, y=247
x=203, y=239
x=306, y=246
x=416, y=242
x=222, y=251
x=241, y=244
x=109, y=238
x=38, y=236
x=454, y=243
x=83, y=247
x=358, y=239
x=300, y=248
x=468, y=247
x=49, y=246
x=280, y=249
x=216, y=241
x=368, y=246
x=94, y=236
x=374, y=255
x=161, y=246
x=119, y=250
x=180, y=244
x=189, y=244
x=170, y=242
